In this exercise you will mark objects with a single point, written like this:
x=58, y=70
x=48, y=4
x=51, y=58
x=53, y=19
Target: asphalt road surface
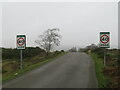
x=73, y=70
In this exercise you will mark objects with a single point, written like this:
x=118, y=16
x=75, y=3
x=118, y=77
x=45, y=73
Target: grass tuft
x=102, y=79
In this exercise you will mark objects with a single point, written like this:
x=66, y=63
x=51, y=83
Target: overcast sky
x=79, y=22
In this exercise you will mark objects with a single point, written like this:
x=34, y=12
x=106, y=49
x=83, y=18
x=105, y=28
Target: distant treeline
x=9, y=53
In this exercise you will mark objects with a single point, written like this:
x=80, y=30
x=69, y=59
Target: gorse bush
x=99, y=52
x=9, y=53
x=31, y=51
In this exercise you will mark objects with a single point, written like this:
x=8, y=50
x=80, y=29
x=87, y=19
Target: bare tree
x=49, y=39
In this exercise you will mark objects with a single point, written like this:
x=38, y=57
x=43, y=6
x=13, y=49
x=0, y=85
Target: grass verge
x=102, y=79
x=31, y=67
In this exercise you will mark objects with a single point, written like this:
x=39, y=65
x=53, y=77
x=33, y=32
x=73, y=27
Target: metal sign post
x=21, y=66
x=104, y=57
x=105, y=43
x=21, y=44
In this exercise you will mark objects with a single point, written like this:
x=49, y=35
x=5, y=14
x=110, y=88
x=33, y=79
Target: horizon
x=80, y=22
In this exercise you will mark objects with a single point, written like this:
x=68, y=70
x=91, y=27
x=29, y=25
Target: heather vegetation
x=9, y=53
x=108, y=76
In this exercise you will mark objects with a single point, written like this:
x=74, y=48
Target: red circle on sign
x=103, y=36
x=22, y=43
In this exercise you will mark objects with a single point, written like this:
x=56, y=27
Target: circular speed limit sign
x=104, y=38
x=21, y=41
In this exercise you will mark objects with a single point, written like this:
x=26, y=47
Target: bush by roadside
x=9, y=53
x=110, y=73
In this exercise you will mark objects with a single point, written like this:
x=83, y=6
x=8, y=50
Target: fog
x=79, y=22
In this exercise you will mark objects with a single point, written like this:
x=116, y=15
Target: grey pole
x=104, y=57
x=21, y=59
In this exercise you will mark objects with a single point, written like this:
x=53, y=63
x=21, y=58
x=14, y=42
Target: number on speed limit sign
x=105, y=39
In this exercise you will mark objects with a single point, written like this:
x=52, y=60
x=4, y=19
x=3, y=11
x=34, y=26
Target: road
x=73, y=70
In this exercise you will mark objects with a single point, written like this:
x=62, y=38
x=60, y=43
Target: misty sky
x=79, y=22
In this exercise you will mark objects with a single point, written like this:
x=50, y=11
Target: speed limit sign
x=21, y=41
x=105, y=39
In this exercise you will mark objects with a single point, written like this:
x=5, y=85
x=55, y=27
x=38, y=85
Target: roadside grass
x=30, y=68
x=102, y=79
x=0, y=73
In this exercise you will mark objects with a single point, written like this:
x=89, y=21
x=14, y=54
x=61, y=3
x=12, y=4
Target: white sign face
x=105, y=39
x=21, y=41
